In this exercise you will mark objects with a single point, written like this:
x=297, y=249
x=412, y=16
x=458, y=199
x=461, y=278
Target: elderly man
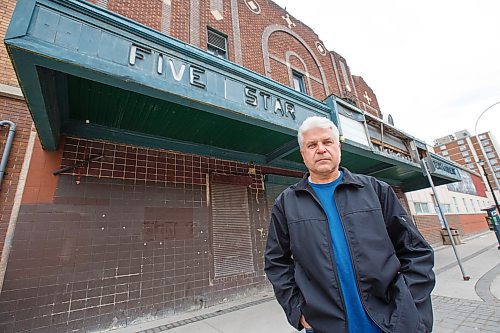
x=342, y=254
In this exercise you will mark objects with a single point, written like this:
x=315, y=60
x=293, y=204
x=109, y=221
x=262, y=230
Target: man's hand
x=303, y=322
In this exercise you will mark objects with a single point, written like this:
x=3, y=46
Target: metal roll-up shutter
x=231, y=236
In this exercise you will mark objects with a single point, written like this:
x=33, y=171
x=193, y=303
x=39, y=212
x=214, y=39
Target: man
x=342, y=254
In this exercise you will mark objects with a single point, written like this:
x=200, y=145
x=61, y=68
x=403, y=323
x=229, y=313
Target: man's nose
x=321, y=148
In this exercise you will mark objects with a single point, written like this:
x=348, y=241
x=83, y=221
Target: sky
x=434, y=65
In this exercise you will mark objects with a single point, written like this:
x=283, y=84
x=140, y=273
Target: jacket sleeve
x=280, y=267
x=414, y=253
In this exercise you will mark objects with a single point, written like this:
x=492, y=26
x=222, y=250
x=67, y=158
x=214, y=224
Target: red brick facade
x=14, y=110
x=467, y=224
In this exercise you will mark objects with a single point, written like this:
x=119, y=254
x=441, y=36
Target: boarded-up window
x=231, y=241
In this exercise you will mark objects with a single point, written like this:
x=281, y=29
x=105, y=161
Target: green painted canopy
x=91, y=73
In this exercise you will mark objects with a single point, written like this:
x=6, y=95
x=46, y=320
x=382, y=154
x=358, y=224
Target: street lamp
x=495, y=216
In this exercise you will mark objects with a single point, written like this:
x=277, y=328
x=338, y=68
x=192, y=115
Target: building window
x=488, y=149
x=445, y=208
x=490, y=155
x=470, y=166
x=460, y=142
x=465, y=205
x=298, y=82
x=498, y=175
x=482, y=136
x=467, y=160
x=422, y=208
x=493, y=162
x=217, y=43
x=445, y=153
x=497, y=168
x=462, y=148
x=443, y=147
x=465, y=153
x=485, y=142
x=455, y=205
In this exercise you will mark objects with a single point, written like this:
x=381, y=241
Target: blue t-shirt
x=358, y=320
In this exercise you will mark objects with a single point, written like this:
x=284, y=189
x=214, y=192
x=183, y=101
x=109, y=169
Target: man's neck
x=324, y=179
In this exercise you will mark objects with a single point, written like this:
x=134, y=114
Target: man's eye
x=311, y=146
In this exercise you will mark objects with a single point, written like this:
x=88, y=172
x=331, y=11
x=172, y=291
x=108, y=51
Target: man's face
x=321, y=152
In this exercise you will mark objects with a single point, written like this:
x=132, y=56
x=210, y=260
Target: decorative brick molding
x=194, y=23
x=265, y=50
x=238, y=57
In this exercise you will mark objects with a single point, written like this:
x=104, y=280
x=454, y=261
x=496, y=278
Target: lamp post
x=494, y=217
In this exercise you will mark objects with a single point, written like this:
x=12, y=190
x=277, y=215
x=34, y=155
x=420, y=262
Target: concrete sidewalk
x=459, y=306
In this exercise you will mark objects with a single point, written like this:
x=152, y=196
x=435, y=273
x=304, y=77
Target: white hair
x=316, y=122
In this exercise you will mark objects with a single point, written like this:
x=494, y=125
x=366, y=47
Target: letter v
x=177, y=75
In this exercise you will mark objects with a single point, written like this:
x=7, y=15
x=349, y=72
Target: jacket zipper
x=333, y=265
x=353, y=267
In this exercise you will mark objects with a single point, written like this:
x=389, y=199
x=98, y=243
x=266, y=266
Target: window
x=217, y=43
x=485, y=142
x=467, y=160
x=488, y=149
x=482, y=137
x=445, y=208
x=421, y=207
x=462, y=148
x=490, y=155
x=470, y=166
x=465, y=205
x=473, y=206
x=443, y=147
x=455, y=205
x=465, y=153
x=460, y=142
x=493, y=162
x=444, y=152
x=496, y=168
x=298, y=82
x=498, y=175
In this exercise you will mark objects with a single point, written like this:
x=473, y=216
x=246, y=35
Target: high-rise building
x=464, y=148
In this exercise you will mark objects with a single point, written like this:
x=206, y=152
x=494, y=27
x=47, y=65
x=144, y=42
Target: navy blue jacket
x=392, y=261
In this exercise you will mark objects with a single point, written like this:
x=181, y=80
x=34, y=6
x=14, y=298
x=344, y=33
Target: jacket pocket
x=408, y=317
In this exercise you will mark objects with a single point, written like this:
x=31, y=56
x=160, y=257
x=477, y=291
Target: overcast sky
x=434, y=65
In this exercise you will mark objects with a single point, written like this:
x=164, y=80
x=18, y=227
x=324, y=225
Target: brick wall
x=16, y=111
x=8, y=77
x=121, y=239
x=367, y=100
x=145, y=12
x=430, y=228
x=467, y=224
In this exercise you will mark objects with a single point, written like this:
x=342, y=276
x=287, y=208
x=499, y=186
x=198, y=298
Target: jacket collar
x=348, y=179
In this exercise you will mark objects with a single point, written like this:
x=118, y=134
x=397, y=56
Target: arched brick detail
x=290, y=53
x=265, y=51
